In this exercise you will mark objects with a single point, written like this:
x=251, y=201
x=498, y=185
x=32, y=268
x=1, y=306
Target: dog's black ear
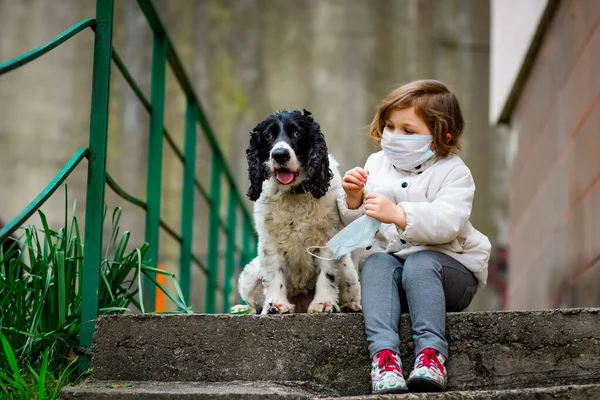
x=318, y=174
x=307, y=115
x=257, y=172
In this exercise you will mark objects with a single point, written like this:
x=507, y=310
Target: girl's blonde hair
x=434, y=103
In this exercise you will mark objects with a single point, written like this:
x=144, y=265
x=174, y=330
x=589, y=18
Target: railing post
x=230, y=252
x=213, y=232
x=155, y=150
x=187, y=200
x=96, y=172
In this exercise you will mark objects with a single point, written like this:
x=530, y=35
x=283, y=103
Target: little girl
x=426, y=257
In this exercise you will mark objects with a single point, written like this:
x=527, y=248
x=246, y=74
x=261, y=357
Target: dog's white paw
x=323, y=307
x=351, y=307
x=274, y=307
x=242, y=308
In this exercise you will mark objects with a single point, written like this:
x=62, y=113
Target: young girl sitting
x=426, y=257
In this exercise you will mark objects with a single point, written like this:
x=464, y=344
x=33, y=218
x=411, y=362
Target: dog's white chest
x=300, y=224
x=294, y=224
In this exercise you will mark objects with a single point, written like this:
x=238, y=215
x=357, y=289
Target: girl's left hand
x=384, y=210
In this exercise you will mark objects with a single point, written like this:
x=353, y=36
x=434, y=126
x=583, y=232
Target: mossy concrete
x=268, y=390
x=488, y=351
x=573, y=392
x=116, y=390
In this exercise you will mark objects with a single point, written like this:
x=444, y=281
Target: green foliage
x=41, y=301
x=31, y=383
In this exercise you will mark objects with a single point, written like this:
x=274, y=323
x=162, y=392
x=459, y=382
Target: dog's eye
x=268, y=136
x=297, y=134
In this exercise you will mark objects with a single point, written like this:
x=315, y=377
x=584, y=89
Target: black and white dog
x=295, y=184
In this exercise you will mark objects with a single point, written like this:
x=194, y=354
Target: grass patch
x=41, y=301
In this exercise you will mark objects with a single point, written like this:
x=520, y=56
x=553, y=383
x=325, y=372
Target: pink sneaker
x=386, y=373
x=429, y=374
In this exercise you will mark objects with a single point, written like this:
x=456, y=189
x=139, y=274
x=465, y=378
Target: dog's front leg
x=326, y=291
x=276, y=301
x=349, y=285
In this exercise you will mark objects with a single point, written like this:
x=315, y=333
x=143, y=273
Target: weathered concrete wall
x=247, y=59
x=555, y=195
x=492, y=350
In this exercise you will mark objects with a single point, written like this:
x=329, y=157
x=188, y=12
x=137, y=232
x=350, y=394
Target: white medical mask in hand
x=406, y=151
x=358, y=234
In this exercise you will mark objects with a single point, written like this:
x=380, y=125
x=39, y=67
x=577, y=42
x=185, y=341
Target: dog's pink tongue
x=285, y=177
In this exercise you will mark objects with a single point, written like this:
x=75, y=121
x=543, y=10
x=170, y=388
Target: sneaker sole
x=391, y=391
x=417, y=384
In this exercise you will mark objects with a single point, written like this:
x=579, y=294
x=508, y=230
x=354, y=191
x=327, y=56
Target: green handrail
x=155, y=151
x=94, y=205
x=230, y=256
x=40, y=51
x=174, y=62
x=43, y=196
x=213, y=233
x=187, y=198
x=135, y=201
x=129, y=79
x=163, y=53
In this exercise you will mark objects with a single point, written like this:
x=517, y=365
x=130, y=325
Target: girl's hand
x=353, y=184
x=384, y=210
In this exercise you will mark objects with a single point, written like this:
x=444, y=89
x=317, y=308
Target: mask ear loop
x=325, y=247
x=314, y=255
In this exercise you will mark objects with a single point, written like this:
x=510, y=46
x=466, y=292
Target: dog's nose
x=280, y=155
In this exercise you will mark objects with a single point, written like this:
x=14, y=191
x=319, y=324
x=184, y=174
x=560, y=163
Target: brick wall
x=554, y=194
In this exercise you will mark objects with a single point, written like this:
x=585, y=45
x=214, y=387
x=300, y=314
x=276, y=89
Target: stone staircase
x=552, y=354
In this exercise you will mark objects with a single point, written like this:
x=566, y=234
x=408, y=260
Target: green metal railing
x=163, y=54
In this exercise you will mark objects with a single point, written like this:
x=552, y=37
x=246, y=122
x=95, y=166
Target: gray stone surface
x=490, y=350
x=115, y=390
x=268, y=390
x=573, y=392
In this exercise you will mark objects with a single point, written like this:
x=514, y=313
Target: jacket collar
x=419, y=168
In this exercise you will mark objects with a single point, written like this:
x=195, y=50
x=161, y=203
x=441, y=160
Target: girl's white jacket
x=437, y=197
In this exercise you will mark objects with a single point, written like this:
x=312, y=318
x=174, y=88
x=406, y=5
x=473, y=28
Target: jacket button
x=369, y=247
x=403, y=241
x=404, y=184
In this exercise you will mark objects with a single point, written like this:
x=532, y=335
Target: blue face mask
x=358, y=234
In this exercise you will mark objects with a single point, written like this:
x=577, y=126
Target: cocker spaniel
x=295, y=183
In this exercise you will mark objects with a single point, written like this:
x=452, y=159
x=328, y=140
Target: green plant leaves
x=41, y=300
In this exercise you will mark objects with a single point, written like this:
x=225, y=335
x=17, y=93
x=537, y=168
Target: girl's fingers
x=371, y=196
x=351, y=177
x=351, y=186
x=356, y=170
x=371, y=207
x=357, y=175
x=362, y=174
x=353, y=181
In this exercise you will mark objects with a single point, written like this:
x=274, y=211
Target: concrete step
x=573, y=392
x=148, y=390
x=488, y=351
x=240, y=390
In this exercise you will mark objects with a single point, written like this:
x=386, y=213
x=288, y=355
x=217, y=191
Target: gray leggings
x=426, y=284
